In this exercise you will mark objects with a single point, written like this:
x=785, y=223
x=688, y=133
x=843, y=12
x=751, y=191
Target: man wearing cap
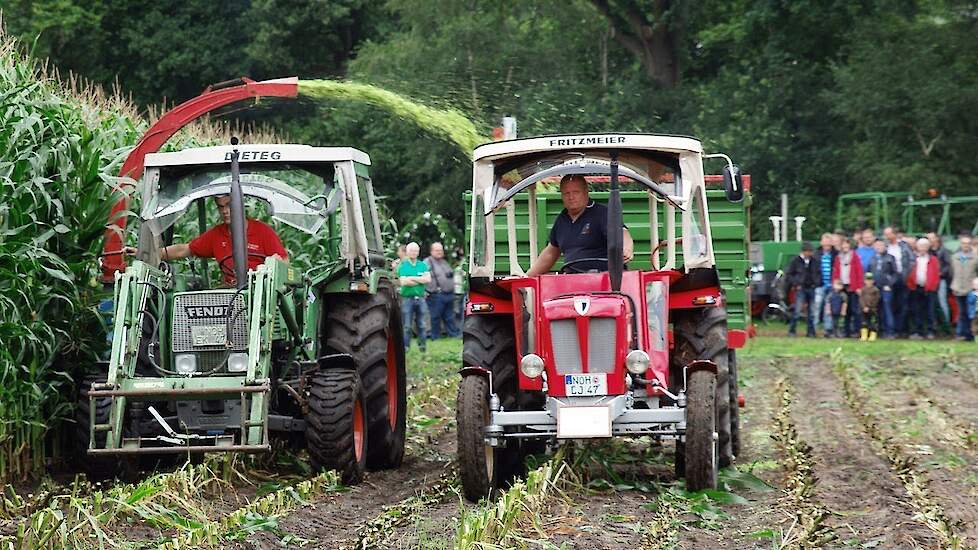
x=804, y=275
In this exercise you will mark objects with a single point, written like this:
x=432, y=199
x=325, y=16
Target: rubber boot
x=864, y=334
x=872, y=336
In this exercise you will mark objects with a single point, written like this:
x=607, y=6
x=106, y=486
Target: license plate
x=583, y=422
x=578, y=385
x=208, y=335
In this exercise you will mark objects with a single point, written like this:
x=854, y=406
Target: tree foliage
x=813, y=98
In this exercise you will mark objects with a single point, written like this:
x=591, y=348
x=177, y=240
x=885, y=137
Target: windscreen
x=546, y=170
x=300, y=196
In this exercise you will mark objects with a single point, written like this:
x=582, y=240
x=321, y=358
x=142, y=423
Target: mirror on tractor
x=733, y=183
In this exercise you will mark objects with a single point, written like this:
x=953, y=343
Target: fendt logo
x=205, y=312
x=582, y=305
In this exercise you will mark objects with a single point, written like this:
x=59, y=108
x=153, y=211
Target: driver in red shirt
x=263, y=242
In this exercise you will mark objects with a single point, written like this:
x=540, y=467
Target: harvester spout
x=616, y=238
x=239, y=241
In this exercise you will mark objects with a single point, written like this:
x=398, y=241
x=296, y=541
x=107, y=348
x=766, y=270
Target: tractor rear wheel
x=489, y=342
x=699, y=449
x=336, y=425
x=368, y=328
x=702, y=334
x=734, y=403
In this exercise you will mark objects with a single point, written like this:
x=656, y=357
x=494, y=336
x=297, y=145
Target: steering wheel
x=566, y=268
x=230, y=271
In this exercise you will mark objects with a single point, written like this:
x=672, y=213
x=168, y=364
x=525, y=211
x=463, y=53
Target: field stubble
x=813, y=473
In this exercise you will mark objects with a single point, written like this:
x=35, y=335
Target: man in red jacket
x=847, y=268
x=923, y=279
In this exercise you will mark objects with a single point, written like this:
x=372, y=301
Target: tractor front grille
x=601, y=344
x=567, y=347
x=209, y=309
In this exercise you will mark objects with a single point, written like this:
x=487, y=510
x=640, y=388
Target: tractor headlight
x=531, y=365
x=186, y=363
x=238, y=362
x=637, y=361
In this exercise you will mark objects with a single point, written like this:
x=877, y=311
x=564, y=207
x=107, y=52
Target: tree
x=653, y=36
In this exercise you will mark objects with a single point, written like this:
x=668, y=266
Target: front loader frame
x=132, y=289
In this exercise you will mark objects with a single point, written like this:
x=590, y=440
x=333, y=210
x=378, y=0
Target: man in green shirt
x=413, y=276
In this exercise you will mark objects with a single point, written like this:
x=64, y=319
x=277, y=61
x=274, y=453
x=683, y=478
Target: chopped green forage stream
x=448, y=124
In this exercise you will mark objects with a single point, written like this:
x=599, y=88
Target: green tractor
x=315, y=358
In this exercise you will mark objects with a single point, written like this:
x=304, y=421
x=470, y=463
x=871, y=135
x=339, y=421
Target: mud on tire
x=699, y=458
x=336, y=426
x=488, y=341
x=702, y=334
x=368, y=328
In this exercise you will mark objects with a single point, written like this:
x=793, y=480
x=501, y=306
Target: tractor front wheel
x=699, y=449
x=336, y=426
x=476, y=457
x=701, y=334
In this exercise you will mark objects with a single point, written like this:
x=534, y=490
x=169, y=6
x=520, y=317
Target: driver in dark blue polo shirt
x=580, y=231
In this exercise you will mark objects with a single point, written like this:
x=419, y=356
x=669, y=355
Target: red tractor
x=595, y=350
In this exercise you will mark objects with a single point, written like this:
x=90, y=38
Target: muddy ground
x=892, y=462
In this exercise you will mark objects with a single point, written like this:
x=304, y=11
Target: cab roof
x=581, y=142
x=256, y=153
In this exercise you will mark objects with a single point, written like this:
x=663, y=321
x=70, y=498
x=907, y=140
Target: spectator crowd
x=431, y=294
x=889, y=286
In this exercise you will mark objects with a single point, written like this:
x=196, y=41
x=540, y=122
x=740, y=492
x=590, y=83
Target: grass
x=772, y=346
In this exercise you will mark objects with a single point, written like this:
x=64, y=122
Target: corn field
x=61, y=146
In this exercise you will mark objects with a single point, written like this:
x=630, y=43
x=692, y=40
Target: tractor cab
x=594, y=348
x=299, y=186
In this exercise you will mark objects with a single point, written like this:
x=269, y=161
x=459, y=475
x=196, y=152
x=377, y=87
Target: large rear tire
x=368, y=328
x=700, y=447
x=488, y=341
x=702, y=334
x=336, y=426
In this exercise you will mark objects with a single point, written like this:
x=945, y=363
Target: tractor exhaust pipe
x=239, y=241
x=616, y=238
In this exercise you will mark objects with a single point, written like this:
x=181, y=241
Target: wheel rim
x=392, y=382
x=358, y=429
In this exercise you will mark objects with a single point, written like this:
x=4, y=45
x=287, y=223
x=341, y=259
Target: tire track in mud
x=935, y=449
x=759, y=456
x=808, y=528
x=867, y=500
x=333, y=522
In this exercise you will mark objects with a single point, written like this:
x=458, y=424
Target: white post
x=799, y=220
x=654, y=225
x=784, y=217
x=509, y=127
x=776, y=222
x=670, y=236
